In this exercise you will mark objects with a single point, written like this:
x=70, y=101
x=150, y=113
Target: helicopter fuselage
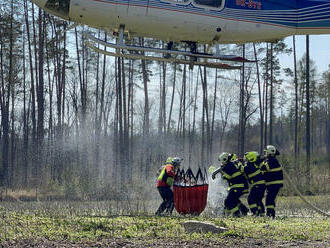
x=204, y=21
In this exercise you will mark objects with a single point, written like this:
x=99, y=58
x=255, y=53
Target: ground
x=137, y=243
x=106, y=224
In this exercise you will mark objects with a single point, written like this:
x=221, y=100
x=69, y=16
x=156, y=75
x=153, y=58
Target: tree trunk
x=205, y=116
x=164, y=97
x=34, y=77
x=97, y=121
x=172, y=99
x=296, y=103
x=12, y=137
x=266, y=97
x=327, y=125
x=271, y=115
x=146, y=119
x=40, y=94
x=5, y=101
x=25, y=124
x=50, y=119
x=131, y=119
x=241, y=140
x=213, y=111
x=261, y=145
x=308, y=152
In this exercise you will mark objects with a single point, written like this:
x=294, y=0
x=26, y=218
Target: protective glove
x=213, y=175
x=216, y=172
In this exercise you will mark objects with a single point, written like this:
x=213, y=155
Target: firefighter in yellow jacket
x=274, y=178
x=238, y=185
x=256, y=181
x=164, y=183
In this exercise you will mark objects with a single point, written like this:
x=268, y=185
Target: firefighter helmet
x=169, y=160
x=251, y=156
x=177, y=161
x=271, y=151
x=233, y=157
x=224, y=157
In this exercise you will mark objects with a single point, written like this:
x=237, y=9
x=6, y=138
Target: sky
x=319, y=51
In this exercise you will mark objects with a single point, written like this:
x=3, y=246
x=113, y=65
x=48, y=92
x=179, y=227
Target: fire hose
x=286, y=174
x=318, y=210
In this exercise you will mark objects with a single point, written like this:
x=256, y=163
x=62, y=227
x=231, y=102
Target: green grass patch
x=20, y=225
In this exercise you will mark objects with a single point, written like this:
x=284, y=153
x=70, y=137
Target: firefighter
x=274, y=178
x=231, y=171
x=164, y=183
x=256, y=181
x=168, y=161
x=259, y=161
x=243, y=209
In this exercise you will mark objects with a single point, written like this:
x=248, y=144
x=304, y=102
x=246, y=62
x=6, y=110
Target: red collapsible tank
x=190, y=192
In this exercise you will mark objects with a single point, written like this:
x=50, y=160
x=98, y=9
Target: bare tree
x=296, y=103
x=308, y=130
x=261, y=111
x=242, y=111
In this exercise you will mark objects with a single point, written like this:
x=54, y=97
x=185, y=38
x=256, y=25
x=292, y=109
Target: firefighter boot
x=243, y=209
x=237, y=214
x=271, y=212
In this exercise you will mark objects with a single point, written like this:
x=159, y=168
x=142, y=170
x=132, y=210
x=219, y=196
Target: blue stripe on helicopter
x=310, y=16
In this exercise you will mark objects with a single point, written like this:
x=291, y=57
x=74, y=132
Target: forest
x=78, y=125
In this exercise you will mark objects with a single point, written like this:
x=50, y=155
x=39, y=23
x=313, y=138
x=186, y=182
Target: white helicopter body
x=204, y=21
x=198, y=21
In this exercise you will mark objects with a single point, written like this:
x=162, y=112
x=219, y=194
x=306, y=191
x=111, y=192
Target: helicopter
x=192, y=22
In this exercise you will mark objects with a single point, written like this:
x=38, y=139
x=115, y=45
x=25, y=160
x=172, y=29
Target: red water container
x=190, y=199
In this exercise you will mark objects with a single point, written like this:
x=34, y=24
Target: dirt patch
x=139, y=243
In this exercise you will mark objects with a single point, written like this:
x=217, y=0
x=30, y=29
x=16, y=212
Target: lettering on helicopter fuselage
x=249, y=4
x=209, y=4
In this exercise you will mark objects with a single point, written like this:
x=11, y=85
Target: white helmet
x=270, y=150
x=224, y=157
x=177, y=161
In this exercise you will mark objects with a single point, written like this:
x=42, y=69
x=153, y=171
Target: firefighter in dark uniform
x=164, y=183
x=243, y=209
x=259, y=161
x=238, y=185
x=274, y=178
x=256, y=182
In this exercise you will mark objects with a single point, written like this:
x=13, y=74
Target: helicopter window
x=178, y=1
x=61, y=6
x=210, y=3
x=182, y=1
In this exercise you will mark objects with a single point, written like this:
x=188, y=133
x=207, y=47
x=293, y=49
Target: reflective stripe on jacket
x=272, y=171
x=231, y=171
x=166, y=177
x=253, y=173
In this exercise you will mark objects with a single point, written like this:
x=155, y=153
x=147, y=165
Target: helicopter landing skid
x=193, y=56
x=163, y=59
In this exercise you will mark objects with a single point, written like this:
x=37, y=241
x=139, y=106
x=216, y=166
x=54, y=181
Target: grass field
x=113, y=224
